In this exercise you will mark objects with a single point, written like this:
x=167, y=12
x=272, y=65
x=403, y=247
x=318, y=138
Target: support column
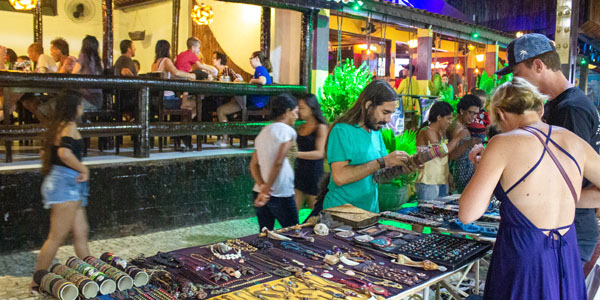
x=393, y=72
x=265, y=31
x=320, y=53
x=583, y=77
x=306, y=48
x=143, y=139
x=491, y=59
x=38, y=29
x=107, y=41
x=424, y=53
x=175, y=28
x=567, y=20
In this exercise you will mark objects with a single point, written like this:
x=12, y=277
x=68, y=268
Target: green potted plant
x=342, y=88
x=392, y=195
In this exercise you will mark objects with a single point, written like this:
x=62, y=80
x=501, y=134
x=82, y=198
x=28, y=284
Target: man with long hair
x=356, y=152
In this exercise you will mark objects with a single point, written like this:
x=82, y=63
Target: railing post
x=143, y=139
x=306, y=57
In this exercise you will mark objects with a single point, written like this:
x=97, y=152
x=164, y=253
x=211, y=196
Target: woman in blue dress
x=536, y=171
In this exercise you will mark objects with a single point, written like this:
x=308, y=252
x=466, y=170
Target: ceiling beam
x=439, y=23
x=299, y=5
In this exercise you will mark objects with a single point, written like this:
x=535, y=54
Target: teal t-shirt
x=358, y=146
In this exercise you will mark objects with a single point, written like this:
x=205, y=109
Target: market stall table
x=259, y=260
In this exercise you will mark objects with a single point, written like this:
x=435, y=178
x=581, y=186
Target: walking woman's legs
x=62, y=216
x=81, y=231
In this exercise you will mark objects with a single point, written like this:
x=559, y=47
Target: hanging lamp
x=23, y=4
x=202, y=14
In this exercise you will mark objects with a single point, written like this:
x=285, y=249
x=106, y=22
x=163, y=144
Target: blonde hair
x=516, y=96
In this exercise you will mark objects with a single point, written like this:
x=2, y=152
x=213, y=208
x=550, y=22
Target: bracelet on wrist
x=381, y=162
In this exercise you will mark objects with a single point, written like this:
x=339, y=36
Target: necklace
x=237, y=255
x=301, y=249
x=200, y=257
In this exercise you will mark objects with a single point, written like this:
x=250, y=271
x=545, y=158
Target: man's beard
x=371, y=123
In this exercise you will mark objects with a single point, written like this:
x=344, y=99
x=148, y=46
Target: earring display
x=452, y=252
x=410, y=219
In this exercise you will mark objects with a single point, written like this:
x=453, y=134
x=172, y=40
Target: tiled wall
x=132, y=198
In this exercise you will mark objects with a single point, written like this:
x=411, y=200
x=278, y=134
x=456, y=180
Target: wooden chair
x=262, y=114
x=185, y=115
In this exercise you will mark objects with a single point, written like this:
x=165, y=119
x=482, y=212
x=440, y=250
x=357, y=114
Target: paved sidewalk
x=16, y=269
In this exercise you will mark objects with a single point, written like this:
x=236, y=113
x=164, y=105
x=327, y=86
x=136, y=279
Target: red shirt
x=185, y=60
x=481, y=121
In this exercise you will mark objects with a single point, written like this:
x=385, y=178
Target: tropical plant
x=342, y=88
x=436, y=85
x=406, y=142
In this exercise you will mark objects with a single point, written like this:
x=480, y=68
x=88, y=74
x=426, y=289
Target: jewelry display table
x=297, y=263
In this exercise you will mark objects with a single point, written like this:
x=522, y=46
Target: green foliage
x=486, y=83
x=447, y=95
x=406, y=142
x=342, y=88
x=435, y=84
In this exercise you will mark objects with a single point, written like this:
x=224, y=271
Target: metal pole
x=265, y=31
x=307, y=45
x=38, y=30
x=143, y=117
x=175, y=29
x=107, y=41
x=583, y=77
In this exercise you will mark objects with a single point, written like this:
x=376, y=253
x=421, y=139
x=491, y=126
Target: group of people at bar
x=188, y=64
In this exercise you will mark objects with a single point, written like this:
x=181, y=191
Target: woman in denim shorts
x=65, y=188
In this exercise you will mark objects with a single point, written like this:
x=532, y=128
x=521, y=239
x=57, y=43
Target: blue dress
x=526, y=263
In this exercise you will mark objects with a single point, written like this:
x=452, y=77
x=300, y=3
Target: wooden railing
x=142, y=129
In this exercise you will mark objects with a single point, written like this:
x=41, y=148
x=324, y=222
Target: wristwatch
x=381, y=162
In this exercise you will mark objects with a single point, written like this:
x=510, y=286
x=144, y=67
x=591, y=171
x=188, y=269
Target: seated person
x=188, y=61
x=137, y=65
x=162, y=63
x=11, y=59
x=210, y=104
x=23, y=64
x=59, y=50
x=42, y=64
x=219, y=61
x=124, y=66
x=262, y=68
x=89, y=63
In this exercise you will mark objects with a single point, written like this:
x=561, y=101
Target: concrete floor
x=16, y=269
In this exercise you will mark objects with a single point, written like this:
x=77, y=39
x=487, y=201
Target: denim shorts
x=61, y=186
x=431, y=191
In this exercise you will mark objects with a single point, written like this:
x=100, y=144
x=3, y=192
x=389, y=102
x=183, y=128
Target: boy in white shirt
x=271, y=170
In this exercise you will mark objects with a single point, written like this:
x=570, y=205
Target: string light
x=519, y=34
x=413, y=43
x=23, y=4
x=202, y=14
x=364, y=47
